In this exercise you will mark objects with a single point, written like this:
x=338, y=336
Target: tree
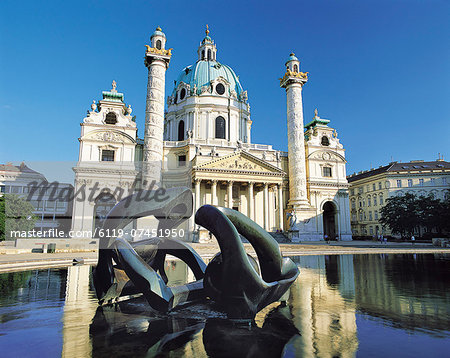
x=429, y=210
x=18, y=214
x=401, y=214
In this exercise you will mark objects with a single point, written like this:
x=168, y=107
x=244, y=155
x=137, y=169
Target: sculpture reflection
x=127, y=329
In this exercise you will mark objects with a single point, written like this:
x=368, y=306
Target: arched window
x=203, y=54
x=209, y=55
x=220, y=127
x=295, y=68
x=325, y=141
x=158, y=44
x=181, y=130
x=111, y=118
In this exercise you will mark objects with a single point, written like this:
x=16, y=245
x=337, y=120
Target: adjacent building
x=52, y=209
x=369, y=190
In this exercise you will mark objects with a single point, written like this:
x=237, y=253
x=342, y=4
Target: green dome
x=158, y=32
x=203, y=72
x=291, y=58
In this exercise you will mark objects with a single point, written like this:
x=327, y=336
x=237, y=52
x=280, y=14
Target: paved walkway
x=15, y=262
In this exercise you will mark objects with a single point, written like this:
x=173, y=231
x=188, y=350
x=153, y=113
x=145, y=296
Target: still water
x=340, y=306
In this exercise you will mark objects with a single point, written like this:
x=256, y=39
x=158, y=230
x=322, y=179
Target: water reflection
x=340, y=306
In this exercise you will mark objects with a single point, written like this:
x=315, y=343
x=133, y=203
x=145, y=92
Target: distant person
x=381, y=239
x=327, y=239
x=385, y=240
x=413, y=239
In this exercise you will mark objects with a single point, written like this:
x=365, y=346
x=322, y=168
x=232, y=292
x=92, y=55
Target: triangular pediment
x=240, y=162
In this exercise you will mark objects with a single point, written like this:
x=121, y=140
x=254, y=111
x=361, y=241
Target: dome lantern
x=158, y=39
x=207, y=50
x=292, y=63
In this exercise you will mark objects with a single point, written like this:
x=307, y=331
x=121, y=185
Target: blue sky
x=379, y=70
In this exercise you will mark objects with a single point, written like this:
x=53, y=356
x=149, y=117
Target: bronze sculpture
x=231, y=280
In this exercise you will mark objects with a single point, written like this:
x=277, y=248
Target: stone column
x=280, y=206
x=157, y=62
x=230, y=194
x=251, y=201
x=266, y=206
x=293, y=82
x=197, y=194
x=214, y=192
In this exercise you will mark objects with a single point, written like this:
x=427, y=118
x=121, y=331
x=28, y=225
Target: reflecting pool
x=340, y=306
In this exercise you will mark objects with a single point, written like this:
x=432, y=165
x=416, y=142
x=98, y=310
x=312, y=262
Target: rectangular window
x=7, y=188
x=107, y=155
x=381, y=200
x=410, y=183
x=399, y=183
x=433, y=181
x=326, y=172
x=444, y=181
x=420, y=182
x=352, y=192
x=371, y=230
x=379, y=185
x=2, y=188
x=25, y=189
x=353, y=205
x=370, y=215
x=369, y=202
x=15, y=189
x=353, y=217
x=181, y=160
x=375, y=200
x=374, y=187
x=360, y=189
x=49, y=205
x=360, y=217
x=60, y=205
x=376, y=214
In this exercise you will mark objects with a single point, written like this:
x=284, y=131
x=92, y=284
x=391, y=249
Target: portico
x=252, y=186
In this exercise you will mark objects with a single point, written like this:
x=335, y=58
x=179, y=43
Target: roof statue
x=114, y=85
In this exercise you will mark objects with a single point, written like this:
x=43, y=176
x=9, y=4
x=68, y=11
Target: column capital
x=197, y=180
x=230, y=182
x=214, y=181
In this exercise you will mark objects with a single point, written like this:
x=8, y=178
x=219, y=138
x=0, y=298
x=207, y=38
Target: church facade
x=203, y=139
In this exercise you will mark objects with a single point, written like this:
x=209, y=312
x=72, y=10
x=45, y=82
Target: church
x=200, y=136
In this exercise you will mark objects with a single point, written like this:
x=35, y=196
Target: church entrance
x=329, y=220
x=103, y=204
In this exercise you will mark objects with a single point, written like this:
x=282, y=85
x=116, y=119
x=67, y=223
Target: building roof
x=412, y=166
x=17, y=168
